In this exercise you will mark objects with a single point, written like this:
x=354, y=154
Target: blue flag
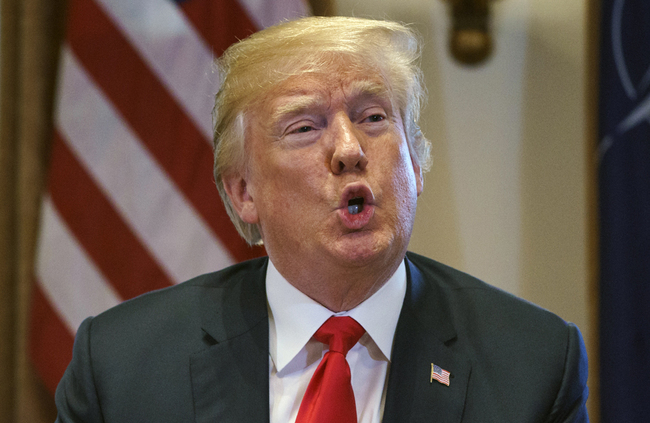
x=624, y=179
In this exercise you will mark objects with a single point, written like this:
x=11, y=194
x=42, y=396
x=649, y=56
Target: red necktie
x=329, y=397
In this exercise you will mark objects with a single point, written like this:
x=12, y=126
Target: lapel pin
x=439, y=374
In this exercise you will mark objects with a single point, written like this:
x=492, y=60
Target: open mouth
x=355, y=205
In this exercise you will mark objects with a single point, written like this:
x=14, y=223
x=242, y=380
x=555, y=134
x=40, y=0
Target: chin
x=364, y=248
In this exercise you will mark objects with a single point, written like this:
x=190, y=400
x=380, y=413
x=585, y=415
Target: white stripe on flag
x=141, y=191
x=175, y=52
x=266, y=13
x=70, y=280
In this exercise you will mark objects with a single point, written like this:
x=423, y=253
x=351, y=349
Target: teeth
x=355, y=205
x=354, y=209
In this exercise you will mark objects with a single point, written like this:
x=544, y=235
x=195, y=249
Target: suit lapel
x=424, y=335
x=230, y=378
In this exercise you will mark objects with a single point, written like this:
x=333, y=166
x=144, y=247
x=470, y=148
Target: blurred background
x=85, y=133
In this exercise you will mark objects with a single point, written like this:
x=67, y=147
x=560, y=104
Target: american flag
x=439, y=374
x=130, y=204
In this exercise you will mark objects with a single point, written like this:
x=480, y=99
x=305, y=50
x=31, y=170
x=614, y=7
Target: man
x=318, y=155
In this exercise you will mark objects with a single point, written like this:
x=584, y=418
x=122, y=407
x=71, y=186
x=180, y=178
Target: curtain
x=31, y=31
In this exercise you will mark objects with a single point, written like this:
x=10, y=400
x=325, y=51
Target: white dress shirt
x=294, y=354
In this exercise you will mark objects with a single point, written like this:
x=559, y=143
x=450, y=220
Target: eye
x=303, y=129
x=375, y=118
x=301, y=133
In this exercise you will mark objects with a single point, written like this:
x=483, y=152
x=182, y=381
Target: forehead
x=319, y=88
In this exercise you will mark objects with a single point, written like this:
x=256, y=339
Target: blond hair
x=250, y=68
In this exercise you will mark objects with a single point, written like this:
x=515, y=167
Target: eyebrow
x=368, y=88
x=298, y=102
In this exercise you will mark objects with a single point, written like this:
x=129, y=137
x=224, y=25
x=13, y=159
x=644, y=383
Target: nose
x=348, y=152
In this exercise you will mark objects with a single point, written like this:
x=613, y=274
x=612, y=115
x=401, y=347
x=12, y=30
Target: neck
x=338, y=289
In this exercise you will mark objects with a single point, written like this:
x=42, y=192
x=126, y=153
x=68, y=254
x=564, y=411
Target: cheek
x=405, y=191
x=404, y=184
x=289, y=187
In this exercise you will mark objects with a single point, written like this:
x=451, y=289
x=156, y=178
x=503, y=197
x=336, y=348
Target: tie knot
x=340, y=333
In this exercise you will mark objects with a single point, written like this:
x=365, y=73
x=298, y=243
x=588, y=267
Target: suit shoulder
x=175, y=303
x=447, y=276
x=476, y=297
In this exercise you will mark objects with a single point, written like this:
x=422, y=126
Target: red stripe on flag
x=99, y=228
x=50, y=343
x=221, y=22
x=153, y=114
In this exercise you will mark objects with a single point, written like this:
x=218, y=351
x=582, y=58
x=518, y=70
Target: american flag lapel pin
x=439, y=374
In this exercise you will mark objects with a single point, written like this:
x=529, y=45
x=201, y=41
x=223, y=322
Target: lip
x=359, y=220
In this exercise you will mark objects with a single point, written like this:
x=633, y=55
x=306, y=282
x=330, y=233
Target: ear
x=237, y=189
x=419, y=179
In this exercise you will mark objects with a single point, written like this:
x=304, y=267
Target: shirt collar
x=294, y=317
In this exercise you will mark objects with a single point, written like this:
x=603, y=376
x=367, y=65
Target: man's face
x=330, y=180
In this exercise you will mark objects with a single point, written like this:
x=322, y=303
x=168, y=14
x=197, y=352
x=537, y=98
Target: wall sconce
x=470, y=40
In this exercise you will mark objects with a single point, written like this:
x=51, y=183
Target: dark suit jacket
x=199, y=352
